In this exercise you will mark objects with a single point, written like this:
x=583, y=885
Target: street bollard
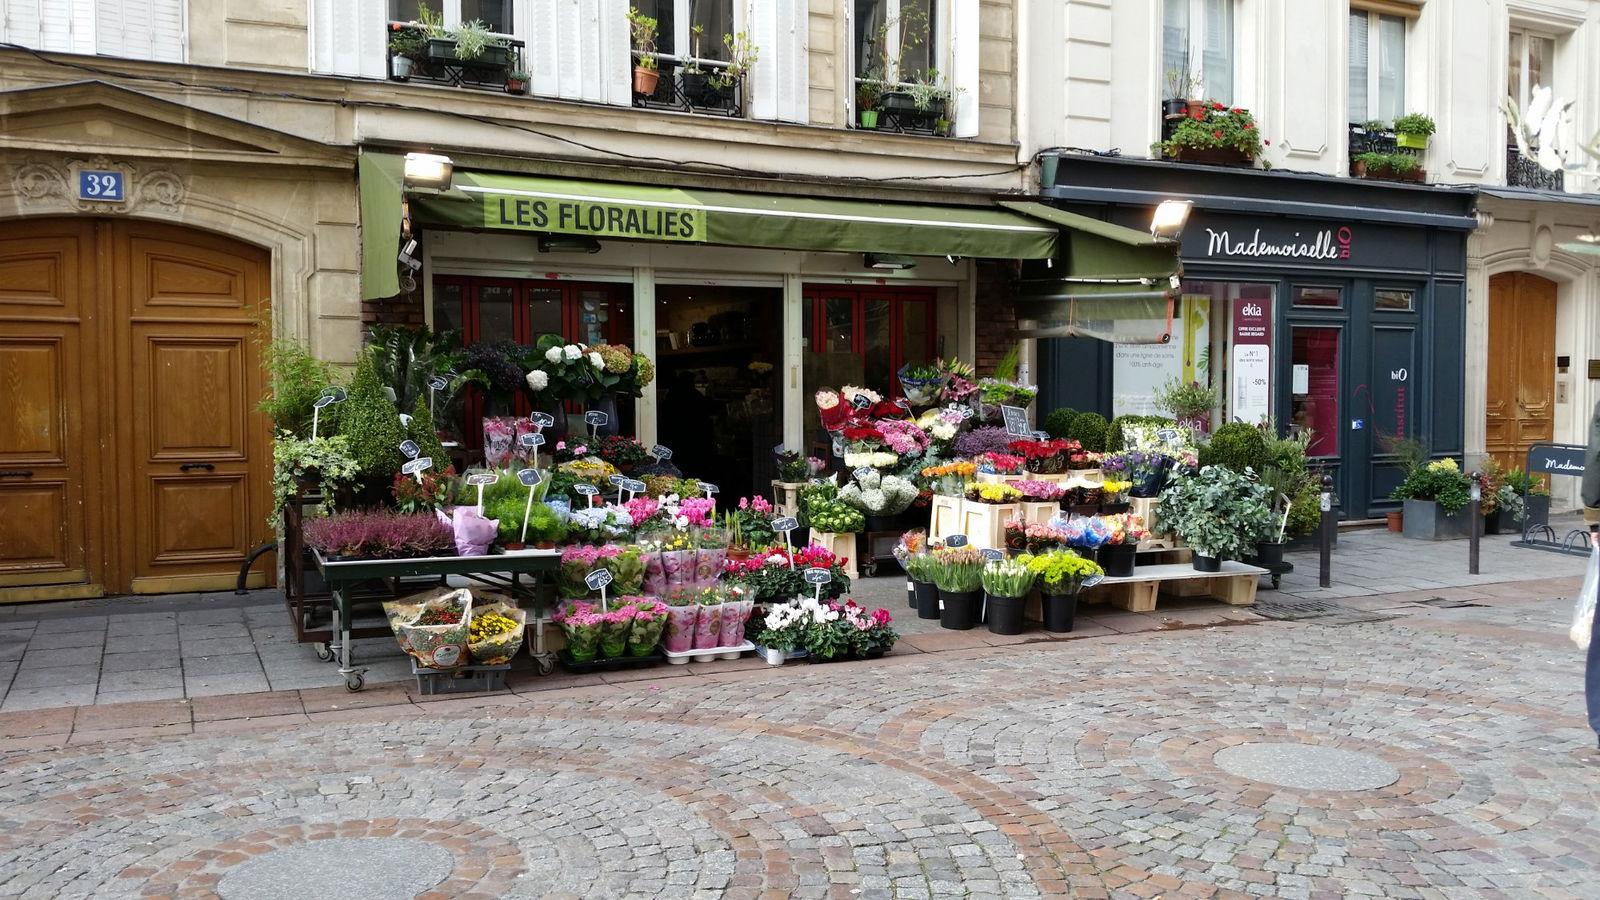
x=1325, y=574
x=1474, y=524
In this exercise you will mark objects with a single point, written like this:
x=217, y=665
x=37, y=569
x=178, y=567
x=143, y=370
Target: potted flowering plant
x=379, y=534
x=1435, y=498
x=1061, y=575
x=1216, y=135
x=1006, y=584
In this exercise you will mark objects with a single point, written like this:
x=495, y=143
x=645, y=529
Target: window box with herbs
x=1398, y=166
x=1413, y=130
x=1215, y=135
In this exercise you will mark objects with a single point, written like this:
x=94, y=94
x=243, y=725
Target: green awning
x=381, y=179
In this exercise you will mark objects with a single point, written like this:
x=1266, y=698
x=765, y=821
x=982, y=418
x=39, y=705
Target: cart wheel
x=354, y=682
x=324, y=652
x=1276, y=580
x=870, y=569
x=546, y=666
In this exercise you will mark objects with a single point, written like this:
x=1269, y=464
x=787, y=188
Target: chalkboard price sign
x=596, y=417
x=437, y=382
x=1041, y=435
x=787, y=523
x=1016, y=419
x=955, y=540
x=709, y=488
x=817, y=576
x=660, y=452
x=529, y=477
x=484, y=478
x=1093, y=580
x=860, y=401
x=588, y=490
x=597, y=579
x=862, y=472
x=617, y=479
x=629, y=484
x=417, y=466
x=543, y=420
x=992, y=554
x=410, y=449
x=531, y=439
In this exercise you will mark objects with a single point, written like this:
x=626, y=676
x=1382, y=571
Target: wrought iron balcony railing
x=690, y=85
x=1524, y=172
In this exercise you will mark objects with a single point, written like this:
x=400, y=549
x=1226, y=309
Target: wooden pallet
x=1235, y=585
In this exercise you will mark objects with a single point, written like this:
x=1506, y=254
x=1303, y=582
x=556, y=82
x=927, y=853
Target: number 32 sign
x=94, y=184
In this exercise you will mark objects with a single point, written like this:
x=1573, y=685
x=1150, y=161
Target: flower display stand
x=1235, y=584
x=1145, y=508
x=945, y=516
x=840, y=545
x=786, y=497
x=984, y=524
x=1039, y=513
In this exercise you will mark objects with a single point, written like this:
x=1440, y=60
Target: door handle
x=16, y=473
x=187, y=466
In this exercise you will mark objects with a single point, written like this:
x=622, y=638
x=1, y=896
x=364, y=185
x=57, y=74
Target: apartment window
x=1532, y=64
x=1197, y=38
x=1377, y=66
x=677, y=20
x=496, y=15
x=135, y=29
x=895, y=40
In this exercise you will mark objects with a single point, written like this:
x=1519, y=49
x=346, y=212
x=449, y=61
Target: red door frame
x=818, y=295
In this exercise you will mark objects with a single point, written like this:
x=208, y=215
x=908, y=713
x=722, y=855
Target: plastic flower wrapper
x=627, y=571
x=649, y=621
x=473, y=533
x=499, y=437
x=834, y=411
x=582, y=630
x=912, y=543
x=650, y=544
x=708, y=629
x=736, y=609
x=577, y=561
x=615, y=626
x=683, y=615
x=849, y=392
x=903, y=436
x=1124, y=528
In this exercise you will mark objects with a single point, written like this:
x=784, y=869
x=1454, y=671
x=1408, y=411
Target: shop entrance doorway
x=132, y=457
x=862, y=336
x=718, y=350
x=1520, y=408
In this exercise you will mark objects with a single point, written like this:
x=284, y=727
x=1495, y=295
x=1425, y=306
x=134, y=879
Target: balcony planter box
x=897, y=102
x=1411, y=141
x=494, y=56
x=1426, y=521
x=1214, y=156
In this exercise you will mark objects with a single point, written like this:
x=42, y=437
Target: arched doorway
x=1520, y=407
x=132, y=457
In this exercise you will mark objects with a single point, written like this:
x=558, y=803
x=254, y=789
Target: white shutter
x=578, y=50
x=350, y=37
x=778, y=83
x=83, y=26
x=62, y=26
x=20, y=24
x=55, y=25
x=964, y=49
x=140, y=29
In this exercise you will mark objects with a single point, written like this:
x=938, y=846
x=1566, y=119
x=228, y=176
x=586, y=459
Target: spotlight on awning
x=567, y=243
x=1169, y=219
x=428, y=171
x=891, y=261
x=1587, y=244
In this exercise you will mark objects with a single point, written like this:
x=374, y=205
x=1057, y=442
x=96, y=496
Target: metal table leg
x=353, y=678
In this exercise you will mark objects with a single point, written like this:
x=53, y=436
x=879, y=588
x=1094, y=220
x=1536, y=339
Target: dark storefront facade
x=1330, y=305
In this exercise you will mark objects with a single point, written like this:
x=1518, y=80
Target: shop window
x=1197, y=39
x=522, y=311
x=863, y=337
x=1377, y=66
x=718, y=351
x=1314, y=393
x=1397, y=299
x=1317, y=297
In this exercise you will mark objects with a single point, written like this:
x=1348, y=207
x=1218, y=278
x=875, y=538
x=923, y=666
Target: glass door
x=862, y=336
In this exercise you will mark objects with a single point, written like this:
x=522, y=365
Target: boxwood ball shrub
x=1089, y=429
x=1059, y=421
x=371, y=424
x=1236, y=446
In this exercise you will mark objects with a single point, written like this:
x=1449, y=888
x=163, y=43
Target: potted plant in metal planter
x=406, y=44
x=1435, y=497
x=1218, y=512
x=642, y=32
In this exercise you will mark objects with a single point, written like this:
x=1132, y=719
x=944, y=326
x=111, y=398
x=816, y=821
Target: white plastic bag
x=1583, y=610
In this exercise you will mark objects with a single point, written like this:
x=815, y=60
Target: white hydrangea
x=571, y=352
x=553, y=355
x=538, y=380
x=596, y=361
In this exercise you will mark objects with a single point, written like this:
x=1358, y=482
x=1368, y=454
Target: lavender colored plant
x=984, y=439
x=380, y=534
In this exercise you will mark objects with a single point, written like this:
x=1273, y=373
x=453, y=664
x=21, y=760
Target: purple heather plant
x=380, y=534
x=984, y=439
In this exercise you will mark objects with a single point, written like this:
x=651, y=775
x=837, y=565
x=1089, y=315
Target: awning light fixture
x=1169, y=219
x=567, y=243
x=428, y=172
x=891, y=261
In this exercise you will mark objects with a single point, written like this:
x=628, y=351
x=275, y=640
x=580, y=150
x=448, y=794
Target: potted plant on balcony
x=1176, y=104
x=869, y=93
x=642, y=32
x=516, y=82
x=1412, y=130
x=929, y=99
x=1215, y=135
x=406, y=44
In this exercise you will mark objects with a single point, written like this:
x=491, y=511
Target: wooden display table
x=1235, y=585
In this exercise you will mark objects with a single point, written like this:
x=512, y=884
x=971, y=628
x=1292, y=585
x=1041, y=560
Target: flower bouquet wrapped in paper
x=708, y=629
x=582, y=629
x=615, y=626
x=683, y=614
x=649, y=621
x=677, y=560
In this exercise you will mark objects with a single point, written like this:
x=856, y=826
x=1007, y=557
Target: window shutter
x=140, y=29
x=964, y=46
x=579, y=50
x=1388, y=7
x=778, y=82
x=350, y=37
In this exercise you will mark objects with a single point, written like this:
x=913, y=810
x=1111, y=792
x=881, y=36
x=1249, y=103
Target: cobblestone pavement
x=1448, y=758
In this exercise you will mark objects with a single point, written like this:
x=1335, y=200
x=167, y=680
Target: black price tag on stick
x=529, y=477
x=543, y=420
x=955, y=540
x=861, y=472
x=786, y=523
x=992, y=555
x=815, y=575
x=597, y=579
x=632, y=485
x=588, y=490
x=617, y=479
x=596, y=417
x=437, y=382
x=482, y=478
x=410, y=449
x=660, y=452
x=417, y=466
x=531, y=439
x=860, y=401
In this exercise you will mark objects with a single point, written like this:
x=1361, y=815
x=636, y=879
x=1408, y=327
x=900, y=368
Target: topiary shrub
x=1115, y=439
x=425, y=433
x=372, y=425
x=1236, y=446
x=1089, y=429
x=1059, y=421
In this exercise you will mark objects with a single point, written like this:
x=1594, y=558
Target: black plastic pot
x=960, y=610
x=888, y=523
x=1207, y=563
x=1059, y=610
x=1004, y=614
x=1269, y=553
x=1112, y=509
x=1118, y=559
x=1174, y=109
x=927, y=600
x=1492, y=522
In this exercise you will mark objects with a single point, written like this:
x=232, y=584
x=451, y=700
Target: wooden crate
x=843, y=545
x=1039, y=513
x=786, y=498
x=984, y=524
x=1235, y=585
x=944, y=516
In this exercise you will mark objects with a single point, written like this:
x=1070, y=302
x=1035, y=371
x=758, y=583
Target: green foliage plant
x=295, y=379
x=371, y=424
x=325, y=459
x=1415, y=123
x=1216, y=511
x=1116, y=437
x=1089, y=430
x=1059, y=421
x=1238, y=446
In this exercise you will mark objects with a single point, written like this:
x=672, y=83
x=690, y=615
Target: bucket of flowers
x=1118, y=553
x=1061, y=574
x=1006, y=584
x=958, y=573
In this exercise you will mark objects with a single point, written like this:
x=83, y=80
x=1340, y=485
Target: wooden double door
x=1520, y=407
x=132, y=457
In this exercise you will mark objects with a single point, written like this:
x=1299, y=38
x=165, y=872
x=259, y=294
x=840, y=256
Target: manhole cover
x=348, y=868
x=1285, y=608
x=1307, y=766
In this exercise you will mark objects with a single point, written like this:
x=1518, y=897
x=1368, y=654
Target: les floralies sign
x=594, y=217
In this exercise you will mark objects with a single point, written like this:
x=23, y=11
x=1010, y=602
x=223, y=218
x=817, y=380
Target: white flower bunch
x=571, y=352
x=879, y=495
x=596, y=361
x=538, y=379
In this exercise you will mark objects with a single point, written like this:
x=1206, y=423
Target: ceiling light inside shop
x=428, y=171
x=893, y=261
x=1169, y=219
x=564, y=243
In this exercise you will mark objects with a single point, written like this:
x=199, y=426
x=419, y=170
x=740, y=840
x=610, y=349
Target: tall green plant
x=371, y=424
x=295, y=379
x=405, y=358
x=425, y=432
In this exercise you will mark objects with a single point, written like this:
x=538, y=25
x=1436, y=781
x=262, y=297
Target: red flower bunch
x=862, y=433
x=888, y=409
x=1044, y=449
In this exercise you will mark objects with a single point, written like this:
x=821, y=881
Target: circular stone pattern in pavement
x=349, y=868
x=1307, y=766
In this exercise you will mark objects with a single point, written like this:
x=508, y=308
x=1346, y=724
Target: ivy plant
x=295, y=460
